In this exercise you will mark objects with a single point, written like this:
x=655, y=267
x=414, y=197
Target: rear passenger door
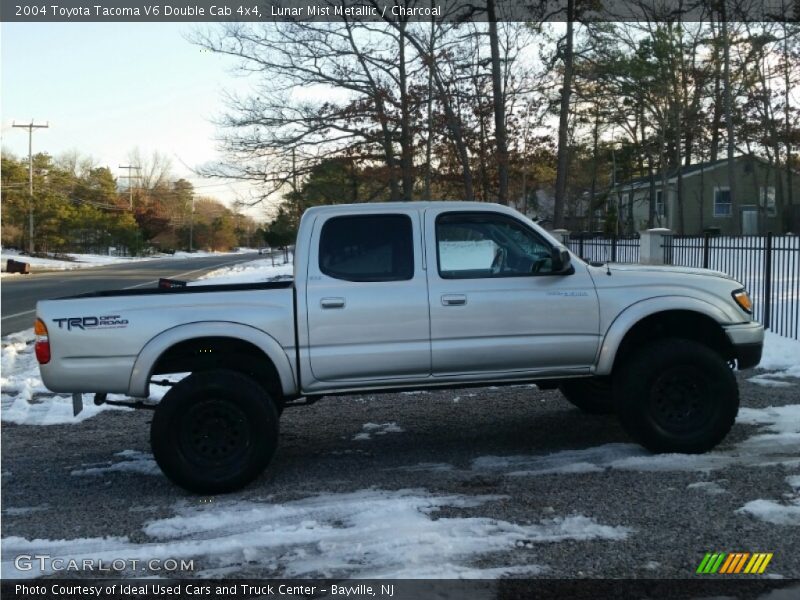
x=367, y=298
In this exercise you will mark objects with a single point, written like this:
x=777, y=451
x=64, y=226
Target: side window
x=367, y=248
x=473, y=245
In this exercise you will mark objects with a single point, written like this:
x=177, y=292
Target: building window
x=722, y=202
x=766, y=200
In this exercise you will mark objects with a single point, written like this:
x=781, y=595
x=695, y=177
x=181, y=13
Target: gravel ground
x=672, y=525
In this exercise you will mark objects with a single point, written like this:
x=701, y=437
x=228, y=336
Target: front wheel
x=676, y=395
x=214, y=432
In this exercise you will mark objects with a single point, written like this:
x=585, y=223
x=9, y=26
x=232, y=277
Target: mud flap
x=77, y=404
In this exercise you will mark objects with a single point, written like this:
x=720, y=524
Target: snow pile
x=133, y=462
x=774, y=512
x=370, y=429
x=781, y=355
x=362, y=534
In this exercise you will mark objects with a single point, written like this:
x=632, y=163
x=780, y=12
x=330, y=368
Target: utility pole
x=130, y=179
x=191, y=227
x=30, y=127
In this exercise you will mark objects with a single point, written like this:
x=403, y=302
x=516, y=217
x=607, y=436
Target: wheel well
x=684, y=324
x=207, y=353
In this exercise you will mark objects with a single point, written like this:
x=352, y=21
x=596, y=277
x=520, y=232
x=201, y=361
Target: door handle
x=332, y=302
x=454, y=300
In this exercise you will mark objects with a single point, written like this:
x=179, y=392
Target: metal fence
x=619, y=249
x=768, y=266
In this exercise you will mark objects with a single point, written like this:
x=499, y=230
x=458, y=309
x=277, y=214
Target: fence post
x=580, y=247
x=706, y=245
x=651, y=250
x=614, y=248
x=768, y=281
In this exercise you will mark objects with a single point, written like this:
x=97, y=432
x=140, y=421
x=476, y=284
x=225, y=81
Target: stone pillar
x=651, y=246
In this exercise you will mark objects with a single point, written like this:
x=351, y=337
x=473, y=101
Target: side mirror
x=560, y=260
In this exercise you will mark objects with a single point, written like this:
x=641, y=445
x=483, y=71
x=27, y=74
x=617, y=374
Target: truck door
x=496, y=307
x=367, y=298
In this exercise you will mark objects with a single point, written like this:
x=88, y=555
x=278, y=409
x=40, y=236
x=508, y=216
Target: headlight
x=742, y=298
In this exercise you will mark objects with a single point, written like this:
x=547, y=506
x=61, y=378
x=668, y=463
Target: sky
x=106, y=89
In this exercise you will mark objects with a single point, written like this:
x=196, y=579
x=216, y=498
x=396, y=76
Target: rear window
x=367, y=248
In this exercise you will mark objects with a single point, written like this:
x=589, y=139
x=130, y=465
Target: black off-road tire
x=592, y=395
x=214, y=432
x=676, y=395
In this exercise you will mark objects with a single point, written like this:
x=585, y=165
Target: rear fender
x=143, y=367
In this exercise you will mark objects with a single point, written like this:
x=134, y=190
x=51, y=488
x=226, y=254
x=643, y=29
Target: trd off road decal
x=92, y=322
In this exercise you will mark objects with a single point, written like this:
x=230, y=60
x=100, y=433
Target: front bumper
x=748, y=343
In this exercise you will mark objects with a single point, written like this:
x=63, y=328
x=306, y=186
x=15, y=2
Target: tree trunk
x=453, y=120
x=788, y=133
x=593, y=187
x=406, y=142
x=429, y=140
x=717, y=116
x=729, y=123
x=563, y=123
x=498, y=97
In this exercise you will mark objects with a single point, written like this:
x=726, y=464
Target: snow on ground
x=363, y=534
x=777, y=443
x=133, y=462
x=782, y=357
x=712, y=488
x=83, y=261
x=370, y=429
x=458, y=256
x=778, y=513
x=255, y=271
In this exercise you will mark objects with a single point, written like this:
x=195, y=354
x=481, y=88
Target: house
x=761, y=202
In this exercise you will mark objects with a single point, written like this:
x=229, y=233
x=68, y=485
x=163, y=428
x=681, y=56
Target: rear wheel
x=214, y=432
x=676, y=396
x=592, y=396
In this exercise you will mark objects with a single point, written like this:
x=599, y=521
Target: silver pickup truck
x=406, y=296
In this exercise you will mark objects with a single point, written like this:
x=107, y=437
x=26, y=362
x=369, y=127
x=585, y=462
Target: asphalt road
x=60, y=482
x=20, y=293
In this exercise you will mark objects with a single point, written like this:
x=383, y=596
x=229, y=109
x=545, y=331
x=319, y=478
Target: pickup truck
x=407, y=296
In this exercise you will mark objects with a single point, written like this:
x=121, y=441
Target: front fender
x=629, y=317
x=139, y=385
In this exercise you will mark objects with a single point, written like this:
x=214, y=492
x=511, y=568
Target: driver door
x=495, y=304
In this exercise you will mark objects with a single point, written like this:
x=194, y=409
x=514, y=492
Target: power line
x=30, y=127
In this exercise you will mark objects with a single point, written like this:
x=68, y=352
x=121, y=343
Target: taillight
x=42, y=345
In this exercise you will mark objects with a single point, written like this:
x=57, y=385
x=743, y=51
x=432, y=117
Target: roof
x=685, y=171
x=395, y=206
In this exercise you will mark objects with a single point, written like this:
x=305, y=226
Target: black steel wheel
x=676, y=395
x=214, y=432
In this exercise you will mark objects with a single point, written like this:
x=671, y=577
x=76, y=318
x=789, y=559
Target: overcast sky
x=108, y=88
